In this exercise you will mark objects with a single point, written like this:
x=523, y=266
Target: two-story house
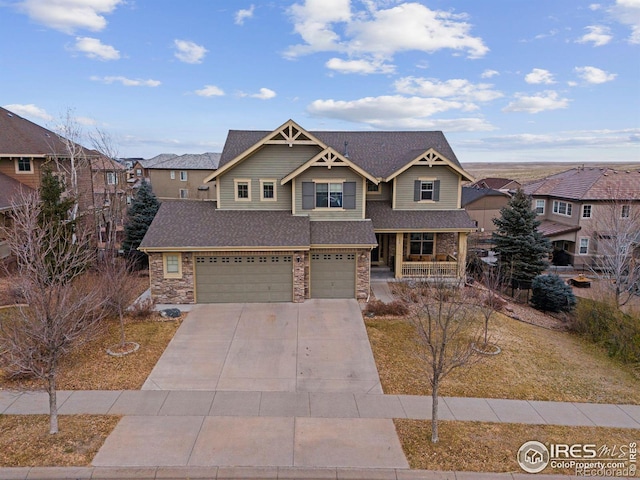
x=301, y=214
x=576, y=208
x=182, y=176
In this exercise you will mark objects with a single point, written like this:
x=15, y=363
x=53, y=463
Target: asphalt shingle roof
x=588, y=184
x=471, y=194
x=379, y=153
x=385, y=218
x=343, y=232
x=10, y=190
x=189, y=161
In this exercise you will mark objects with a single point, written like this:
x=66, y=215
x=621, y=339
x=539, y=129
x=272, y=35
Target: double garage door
x=241, y=279
x=269, y=278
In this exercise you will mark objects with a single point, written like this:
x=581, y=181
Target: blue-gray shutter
x=417, y=185
x=436, y=191
x=308, y=194
x=349, y=195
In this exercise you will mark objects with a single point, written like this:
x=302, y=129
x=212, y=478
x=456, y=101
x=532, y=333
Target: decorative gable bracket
x=430, y=158
x=290, y=134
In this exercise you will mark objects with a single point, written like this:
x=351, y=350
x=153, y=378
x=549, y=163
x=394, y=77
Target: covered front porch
x=421, y=254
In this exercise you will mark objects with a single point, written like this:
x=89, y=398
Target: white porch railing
x=430, y=269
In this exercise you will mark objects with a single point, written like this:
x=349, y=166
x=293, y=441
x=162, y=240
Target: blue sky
x=506, y=80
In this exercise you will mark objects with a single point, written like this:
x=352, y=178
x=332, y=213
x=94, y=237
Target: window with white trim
x=268, y=190
x=112, y=178
x=540, y=207
x=586, y=211
x=562, y=208
x=172, y=265
x=242, y=189
x=138, y=172
x=24, y=165
x=426, y=190
x=583, y=246
x=172, y=175
x=328, y=195
x=373, y=187
x=183, y=175
x=626, y=211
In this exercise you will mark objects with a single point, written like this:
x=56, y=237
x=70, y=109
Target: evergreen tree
x=522, y=249
x=552, y=294
x=143, y=209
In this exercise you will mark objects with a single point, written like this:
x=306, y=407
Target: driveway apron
x=256, y=356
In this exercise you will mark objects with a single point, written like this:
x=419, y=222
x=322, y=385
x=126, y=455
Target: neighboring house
x=303, y=214
x=182, y=176
x=573, y=206
x=140, y=168
x=25, y=148
x=483, y=205
x=495, y=183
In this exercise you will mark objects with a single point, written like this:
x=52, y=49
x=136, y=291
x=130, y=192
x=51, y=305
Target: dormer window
x=372, y=187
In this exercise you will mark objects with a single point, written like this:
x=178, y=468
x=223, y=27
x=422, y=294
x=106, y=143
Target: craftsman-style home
x=302, y=214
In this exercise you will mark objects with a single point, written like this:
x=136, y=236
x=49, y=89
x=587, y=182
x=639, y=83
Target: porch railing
x=430, y=269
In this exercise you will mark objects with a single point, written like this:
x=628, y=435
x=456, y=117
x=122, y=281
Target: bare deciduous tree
x=615, y=231
x=443, y=316
x=62, y=310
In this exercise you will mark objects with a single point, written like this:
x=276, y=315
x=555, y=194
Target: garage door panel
x=225, y=279
x=333, y=275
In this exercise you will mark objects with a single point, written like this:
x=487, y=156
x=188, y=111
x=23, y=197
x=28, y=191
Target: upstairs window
x=242, y=189
x=539, y=207
x=268, y=190
x=426, y=190
x=586, y=211
x=112, y=178
x=183, y=176
x=372, y=187
x=328, y=195
x=172, y=175
x=626, y=211
x=138, y=172
x=24, y=165
x=562, y=208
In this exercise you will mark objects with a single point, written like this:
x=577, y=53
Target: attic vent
x=9, y=115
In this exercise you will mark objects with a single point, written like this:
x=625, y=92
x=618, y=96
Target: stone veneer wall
x=172, y=290
x=363, y=273
x=447, y=243
x=300, y=276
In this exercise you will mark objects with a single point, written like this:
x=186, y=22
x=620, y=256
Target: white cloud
x=379, y=33
x=489, y=73
x=396, y=111
x=598, y=34
x=127, y=82
x=548, y=100
x=243, y=14
x=86, y=121
x=70, y=15
x=94, y=48
x=595, y=7
x=263, y=94
x=210, y=91
x=189, y=52
x=594, y=75
x=29, y=110
x=627, y=12
x=455, y=89
x=361, y=66
x=539, y=75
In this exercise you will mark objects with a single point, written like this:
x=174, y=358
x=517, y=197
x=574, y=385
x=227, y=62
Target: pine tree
x=143, y=209
x=522, y=249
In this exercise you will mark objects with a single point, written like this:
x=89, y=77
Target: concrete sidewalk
x=163, y=403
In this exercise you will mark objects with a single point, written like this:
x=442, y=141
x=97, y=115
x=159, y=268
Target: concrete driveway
x=299, y=367
x=315, y=346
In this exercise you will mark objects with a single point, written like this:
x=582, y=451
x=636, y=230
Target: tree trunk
x=434, y=413
x=122, y=339
x=53, y=405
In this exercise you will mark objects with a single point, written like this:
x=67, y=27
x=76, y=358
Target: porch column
x=462, y=254
x=399, y=254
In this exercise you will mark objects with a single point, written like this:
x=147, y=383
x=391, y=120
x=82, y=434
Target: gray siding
x=271, y=162
x=344, y=173
x=449, y=191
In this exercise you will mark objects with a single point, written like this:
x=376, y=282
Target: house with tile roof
x=182, y=176
x=496, y=183
x=483, y=205
x=305, y=214
x=572, y=205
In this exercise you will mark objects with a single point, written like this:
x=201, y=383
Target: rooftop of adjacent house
x=150, y=162
x=589, y=184
x=495, y=183
x=189, y=161
x=379, y=153
x=20, y=137
x=471, y=194
x=10, y=190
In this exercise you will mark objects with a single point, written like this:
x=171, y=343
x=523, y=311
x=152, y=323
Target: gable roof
x=9, y=191
x=21, y=137
x=385, y=218
x=588, y=184
x=495, y=183
x=381, y=153
x=471, y=194
x=149, y=162
x=188, y=161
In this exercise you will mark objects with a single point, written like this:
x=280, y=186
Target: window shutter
x=416, y=190
x=349, y=195
x=436, y=191
x=308, y=194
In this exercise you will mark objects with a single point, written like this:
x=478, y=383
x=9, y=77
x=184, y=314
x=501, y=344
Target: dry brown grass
x=527, y=172
x=492, y=447
x=535, y=364
x=91, y=368
x=25, y=440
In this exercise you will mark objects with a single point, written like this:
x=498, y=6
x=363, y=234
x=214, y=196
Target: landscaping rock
x=170, y=313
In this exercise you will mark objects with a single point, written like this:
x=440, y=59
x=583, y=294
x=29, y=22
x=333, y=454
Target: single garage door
x=240, y=279
x=333, y=275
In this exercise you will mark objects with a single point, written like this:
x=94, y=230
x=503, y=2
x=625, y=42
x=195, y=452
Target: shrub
x=380, y=309
x=142, y=310
x=551, y=294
